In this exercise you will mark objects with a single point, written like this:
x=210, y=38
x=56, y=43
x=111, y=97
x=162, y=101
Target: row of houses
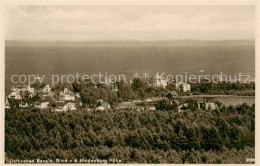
x=64, y=99
x=38, y=104
x=19, y=92
x=24, y=96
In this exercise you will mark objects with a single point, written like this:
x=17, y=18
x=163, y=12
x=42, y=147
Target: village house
x=172, y=94
x=23, y=93
x=201, y=104
x=175, y=102
x=151, y=108
x=26, y=94
x=137, y=101
x=41, y=104
x=19, y=88
x=100, y=108
x=103, y=105
x=23, y=104
x=125, y=105
x=182, y=107
x=15, y=95
x=160, y=82
x=46, y=89
x=139, y=108
x=153, y=99
x=38, y=104
x=19, y=92
x=66, y=90
x=67, y=106
x=206, y=105
x=132, y=105
x=210, y=106
x=67, y=95
x=185, y=86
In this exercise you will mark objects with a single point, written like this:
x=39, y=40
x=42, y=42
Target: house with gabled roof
x=41, y=104
x=184, y=85
x=172, y=94
x=15, y=95
x=103, y=105
x=66, y=106
x=46, y=89
x=19, y=92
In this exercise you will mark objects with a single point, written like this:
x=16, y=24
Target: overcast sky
x=129, y=22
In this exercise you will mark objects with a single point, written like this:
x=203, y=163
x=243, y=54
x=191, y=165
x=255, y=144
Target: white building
x=68, y=106
x=67, y=97
x=30, y=89
x=46, y=89
x=17, y=89
x=41, y=104
x=185, y=86
x=210, y=106
x=206, y=105
x=15, y=95
x=160, y=82
x=101, y=108
x=23, y=105
x=66, y=90
x=103, y=105
x=181, y=107
x=153, y=108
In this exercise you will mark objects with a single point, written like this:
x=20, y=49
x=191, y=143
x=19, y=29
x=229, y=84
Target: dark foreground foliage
x=226, y=135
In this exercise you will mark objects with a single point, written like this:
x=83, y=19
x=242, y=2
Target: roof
x=175, y=101
x=65, y=103
x=100, y=100
x=125, y=105
x=152, y=107
x=101, y=108
x=212, y=105
x=105, y=104
x=137, y=101
x=173, y=93
x=183, y=105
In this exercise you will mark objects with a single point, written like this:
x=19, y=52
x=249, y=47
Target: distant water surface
x=230, y=58
x=235, y=100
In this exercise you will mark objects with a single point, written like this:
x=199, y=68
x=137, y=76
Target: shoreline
x=199, y=96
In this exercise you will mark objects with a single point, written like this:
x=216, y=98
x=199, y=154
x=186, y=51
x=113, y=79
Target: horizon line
x=8, y=41
x=133, y=40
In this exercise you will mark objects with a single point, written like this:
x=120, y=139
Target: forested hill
x=226, y=135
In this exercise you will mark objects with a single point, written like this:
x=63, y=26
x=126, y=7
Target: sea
x=127, y=58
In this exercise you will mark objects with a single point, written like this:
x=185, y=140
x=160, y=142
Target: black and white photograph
x=129, y=83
